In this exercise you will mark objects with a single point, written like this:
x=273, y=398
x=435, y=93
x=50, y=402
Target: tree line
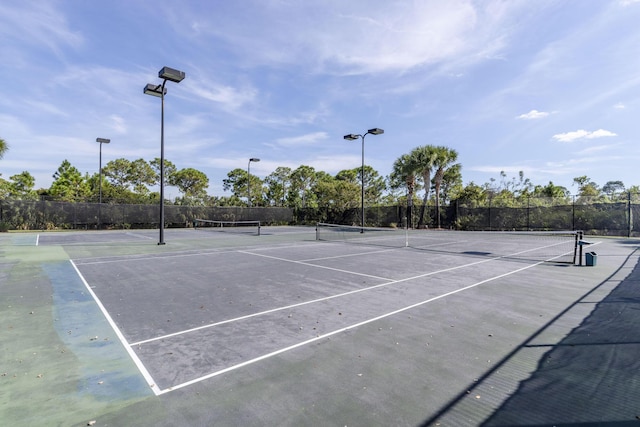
x=426, y=176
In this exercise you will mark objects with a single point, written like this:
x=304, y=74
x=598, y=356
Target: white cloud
x=600, y=133
x=118, y=123
x=620, y=105
x=37, y=25
x=533, y=114
x=597, y=149
x=308, y=139
x=358, y=37
x=229, y=97
x=580, y=134
x=628, y=2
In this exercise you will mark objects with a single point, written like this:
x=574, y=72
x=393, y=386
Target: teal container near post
x=591, y=259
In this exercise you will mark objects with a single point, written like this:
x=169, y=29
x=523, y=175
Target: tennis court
x=279, y=328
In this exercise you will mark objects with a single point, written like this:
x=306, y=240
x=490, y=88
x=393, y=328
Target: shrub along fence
x=594, y=216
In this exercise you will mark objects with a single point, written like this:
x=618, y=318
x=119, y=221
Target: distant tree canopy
x=428, y=175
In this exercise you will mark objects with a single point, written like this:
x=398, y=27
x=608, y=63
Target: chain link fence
x=619, y=216
x=47, y=215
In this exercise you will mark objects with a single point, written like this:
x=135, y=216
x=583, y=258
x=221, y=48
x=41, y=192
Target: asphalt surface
x=223, y=329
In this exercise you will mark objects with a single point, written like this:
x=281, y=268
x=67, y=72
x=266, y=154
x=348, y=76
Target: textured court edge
x=123, y=340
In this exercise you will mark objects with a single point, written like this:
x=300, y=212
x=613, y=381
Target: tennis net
x=552, y=246
x=244, y=227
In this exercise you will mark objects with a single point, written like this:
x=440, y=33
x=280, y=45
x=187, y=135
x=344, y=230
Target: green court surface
x=220, y=328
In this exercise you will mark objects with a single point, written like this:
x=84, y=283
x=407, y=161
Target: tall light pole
x=101, y=141
x=253, y=159
x=353, y=137
x=175, y=76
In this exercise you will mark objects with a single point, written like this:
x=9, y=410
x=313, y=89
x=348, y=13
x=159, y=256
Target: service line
x=338, y=331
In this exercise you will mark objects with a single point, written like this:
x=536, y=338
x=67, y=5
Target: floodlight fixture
x=353, y=137
x=100, y=141
x=171, y=74
x=252, y=159
x=176, y=76
x=155, y=90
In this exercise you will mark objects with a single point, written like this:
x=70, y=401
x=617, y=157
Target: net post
x=406, y=237
x=579, y=236
x=317, y=235
x=258, y=228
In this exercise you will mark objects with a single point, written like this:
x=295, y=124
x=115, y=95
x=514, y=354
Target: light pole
x=175, y=76
x=353, y=137
x=253, y=159
x=101, y=141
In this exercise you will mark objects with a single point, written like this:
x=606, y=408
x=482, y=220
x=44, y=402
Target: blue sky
x=551, y=88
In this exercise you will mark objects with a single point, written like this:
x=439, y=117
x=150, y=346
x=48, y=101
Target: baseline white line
x=337, y=331
x=123, y=340
x=37, y=239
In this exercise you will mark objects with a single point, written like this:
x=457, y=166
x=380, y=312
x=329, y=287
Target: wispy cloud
x=228, y=97
x=597, y=149
x=118, y=123
x=380, y=39
x=582, y=134
x=620, y=105
x=40, y=25
x=308, y=139
x=532, y=115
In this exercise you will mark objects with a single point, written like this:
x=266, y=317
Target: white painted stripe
x=37, y=239
x=337, y=331
x=314, y=265
x=139, y=236
x=123, y=340
x=300, y=304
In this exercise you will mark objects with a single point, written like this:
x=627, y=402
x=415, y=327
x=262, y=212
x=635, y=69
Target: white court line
x=153, y=386
x=350, y=255
x=123, y=340
x=300, y=304
x=37, y=239
x=374, y=252
x=337, y=331
x=139, y=236
x=315, y=265
x=148, y=257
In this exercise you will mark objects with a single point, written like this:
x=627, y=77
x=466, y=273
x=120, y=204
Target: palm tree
x=444, y=157
x=3, y=147
x=424, y=158
x=404, y=174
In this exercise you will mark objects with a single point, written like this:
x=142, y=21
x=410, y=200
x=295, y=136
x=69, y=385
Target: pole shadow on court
x=591, y=377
